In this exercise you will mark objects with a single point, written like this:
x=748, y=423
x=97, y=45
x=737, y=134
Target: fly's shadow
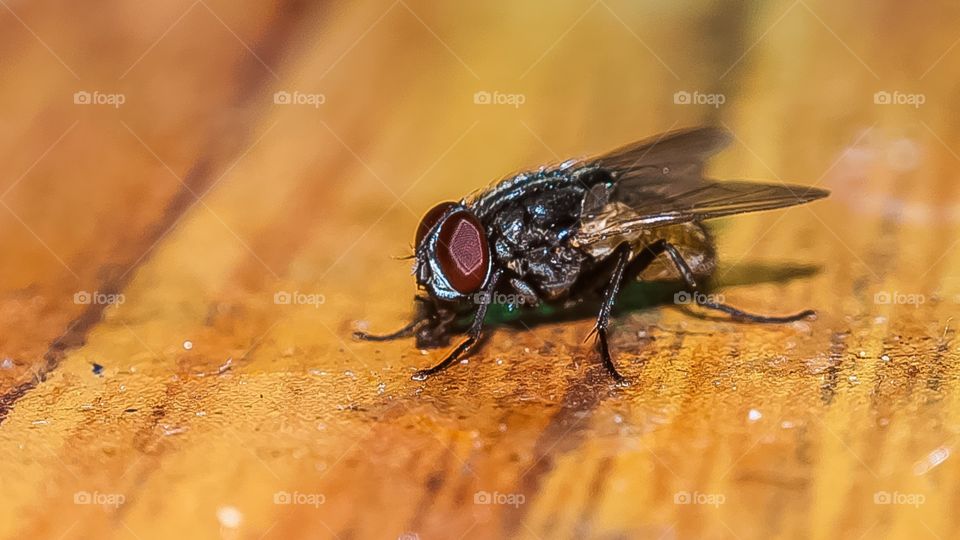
x=642, y=295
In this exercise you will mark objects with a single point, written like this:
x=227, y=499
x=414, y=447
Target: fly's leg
x=473, y=335
x=603, y=318
x=526, y=292
x=624, y=267
x=662, y=246
x=406, y=331
x=752, y=317
x=426, y=313
x=463, y=347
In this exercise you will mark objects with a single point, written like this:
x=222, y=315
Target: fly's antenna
x=412, y=255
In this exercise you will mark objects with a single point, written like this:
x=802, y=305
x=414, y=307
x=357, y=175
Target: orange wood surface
x=192, y=195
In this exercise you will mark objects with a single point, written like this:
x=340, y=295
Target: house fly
x=561, y=234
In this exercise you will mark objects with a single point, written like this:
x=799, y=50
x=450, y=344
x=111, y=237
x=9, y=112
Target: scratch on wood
x=838, y=347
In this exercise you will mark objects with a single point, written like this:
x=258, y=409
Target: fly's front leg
x=473, y=334
x=406, y=331
x=424, y=316
x=662, y=246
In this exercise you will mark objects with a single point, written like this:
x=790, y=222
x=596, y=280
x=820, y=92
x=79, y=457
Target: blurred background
x=201, y=201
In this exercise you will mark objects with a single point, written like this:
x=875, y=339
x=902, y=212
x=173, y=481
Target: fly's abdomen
x=694, y=242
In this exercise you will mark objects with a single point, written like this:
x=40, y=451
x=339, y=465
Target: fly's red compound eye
x=462, y=252
x=430, y=219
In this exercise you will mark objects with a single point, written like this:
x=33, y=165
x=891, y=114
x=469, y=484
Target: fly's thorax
x=530, y=238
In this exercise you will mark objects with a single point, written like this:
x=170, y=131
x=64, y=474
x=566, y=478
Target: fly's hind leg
x=662, y=246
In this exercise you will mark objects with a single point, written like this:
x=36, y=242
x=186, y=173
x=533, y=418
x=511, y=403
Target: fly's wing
x=677, y=154
x=660, y=182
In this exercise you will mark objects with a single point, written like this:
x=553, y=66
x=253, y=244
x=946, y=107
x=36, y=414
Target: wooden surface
x=199, y=199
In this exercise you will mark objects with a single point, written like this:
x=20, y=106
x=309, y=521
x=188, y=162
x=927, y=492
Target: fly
x=561, y=234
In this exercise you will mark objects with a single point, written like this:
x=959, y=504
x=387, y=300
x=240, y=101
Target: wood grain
x=201, y=198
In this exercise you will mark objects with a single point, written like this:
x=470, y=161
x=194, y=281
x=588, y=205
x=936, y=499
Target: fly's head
x=452, y=253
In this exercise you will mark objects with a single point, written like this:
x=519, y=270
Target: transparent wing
x=660, y=182
x=677, y=154
x=658, y=159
